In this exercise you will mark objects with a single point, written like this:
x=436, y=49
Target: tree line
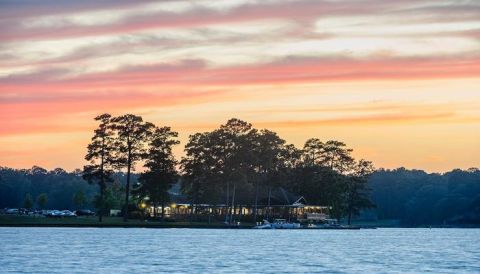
x=412, y=197
x=415, y=197
x=232, y=165
x=53, y=189
x=236, y=165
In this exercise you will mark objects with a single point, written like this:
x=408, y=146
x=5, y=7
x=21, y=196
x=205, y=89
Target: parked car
x=54, y=213
x=67, y=213
x=12, y=211
x=84, y=212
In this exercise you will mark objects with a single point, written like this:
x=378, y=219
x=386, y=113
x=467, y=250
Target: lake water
x=137, y=250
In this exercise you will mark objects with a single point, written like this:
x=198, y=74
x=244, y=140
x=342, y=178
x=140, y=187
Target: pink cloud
x=47, y=113
x=195, y=73
x=49, y=94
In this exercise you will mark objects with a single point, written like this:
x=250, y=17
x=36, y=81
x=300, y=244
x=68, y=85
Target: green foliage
x=414, y=197
x=42, y=200
x=27, y=201
x=117, y=191
x=418, y=198
x=107, y=202
x=79, y=199
x=357, y=191
x=59, y=187
x=160, y=164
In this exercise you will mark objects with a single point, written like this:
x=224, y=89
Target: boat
x=278, y=224
x=322, y=223
x=331, y=226
x=265, y=225
x=283, y=224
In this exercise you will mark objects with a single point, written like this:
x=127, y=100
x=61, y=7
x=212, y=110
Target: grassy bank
x=84, y=221
x=92, y=221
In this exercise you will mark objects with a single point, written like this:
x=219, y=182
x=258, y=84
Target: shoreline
x=128, y=226
x=210, y=226
x=117, y=222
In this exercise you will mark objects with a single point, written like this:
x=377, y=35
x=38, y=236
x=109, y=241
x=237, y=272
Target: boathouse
x=279, y=204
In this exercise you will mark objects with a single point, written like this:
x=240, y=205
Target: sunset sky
x=398, y=81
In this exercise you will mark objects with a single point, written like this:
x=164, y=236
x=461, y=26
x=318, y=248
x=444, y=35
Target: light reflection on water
x=136, y=250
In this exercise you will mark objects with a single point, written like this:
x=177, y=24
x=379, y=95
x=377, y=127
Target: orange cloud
x=53, y=114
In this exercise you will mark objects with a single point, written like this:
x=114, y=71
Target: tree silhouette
x=313, y=152
x=160, y=172
x=27, y=201
x=269, y=150
x=412, y=197
x=100, y=154
x=220, y=161
x=357, y=196
x=42, y=200
x=201, y=169
x=79, y=199
x=337, y=157
x=131, y=138
x=234, y=146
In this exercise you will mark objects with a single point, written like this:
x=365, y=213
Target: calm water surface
x=136, y=250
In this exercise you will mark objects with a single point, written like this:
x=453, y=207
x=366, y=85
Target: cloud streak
x=195, y=17
x=199, y=16
x=390, y=119
x=290, y=70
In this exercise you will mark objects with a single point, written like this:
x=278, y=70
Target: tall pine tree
x=132, y=135
x=101, y=157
